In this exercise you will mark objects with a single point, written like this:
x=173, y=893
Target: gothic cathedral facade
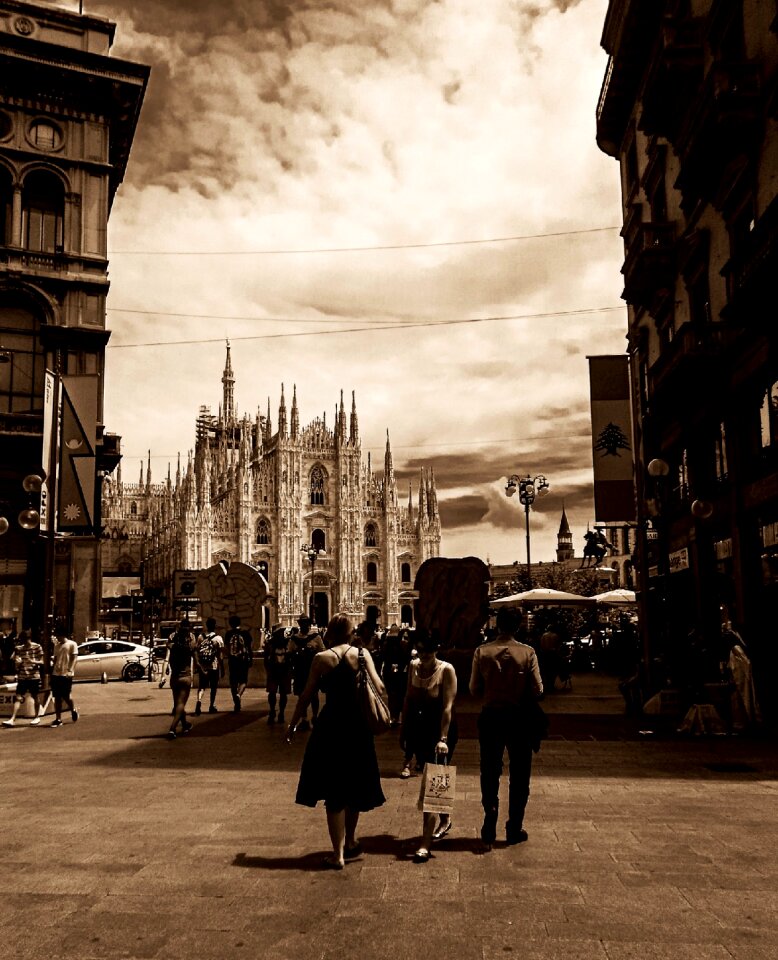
x=328, y=534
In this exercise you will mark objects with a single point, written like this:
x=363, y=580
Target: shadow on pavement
x=382, y=844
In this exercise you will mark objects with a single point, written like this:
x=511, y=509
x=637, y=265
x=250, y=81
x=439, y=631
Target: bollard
x=103, y=677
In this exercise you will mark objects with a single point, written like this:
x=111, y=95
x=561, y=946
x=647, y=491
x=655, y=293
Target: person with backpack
x=278, y=671
x=239, y=656
x=305, y=644
x=178, y=664
x=208, y=660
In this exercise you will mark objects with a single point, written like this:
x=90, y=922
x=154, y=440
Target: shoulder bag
x=374, y=708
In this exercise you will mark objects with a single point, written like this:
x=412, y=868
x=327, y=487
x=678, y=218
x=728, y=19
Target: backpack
x=238, y=645
x=206, y=650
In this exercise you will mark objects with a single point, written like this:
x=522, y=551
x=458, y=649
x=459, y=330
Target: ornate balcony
x=750, y=275
x=720, y=124
x=674, y=73
x=649, y=263
x=691, y=360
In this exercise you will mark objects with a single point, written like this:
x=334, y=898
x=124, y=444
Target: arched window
x=43, y=205
x=21, y=378
x=405, y=573
x=263, y=531
x=372, y=572
x=318, y=540
x=133, y=509
x=370, y=535
x=317, y=485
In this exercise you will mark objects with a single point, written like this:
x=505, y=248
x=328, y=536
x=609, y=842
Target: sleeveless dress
x=340, y=765
x=422, y=725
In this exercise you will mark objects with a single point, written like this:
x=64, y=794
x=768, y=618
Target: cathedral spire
x=341, y=421
x=178, y=471
x=148, y=472
x=268, y=422
x=388, y=464
x=228, y=383
x=354, y=431
x=282, y=415
x=295, y=414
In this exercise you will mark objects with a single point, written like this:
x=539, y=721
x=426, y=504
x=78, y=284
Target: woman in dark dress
x=340, y=765
x=429, y=727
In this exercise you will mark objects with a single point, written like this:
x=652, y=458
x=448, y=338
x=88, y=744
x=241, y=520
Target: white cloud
x=403, y=123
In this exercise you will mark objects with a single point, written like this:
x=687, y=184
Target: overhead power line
x=368, y=329
x=366, y=249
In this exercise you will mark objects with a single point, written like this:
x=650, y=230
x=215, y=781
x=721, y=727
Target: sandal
x=442, y=830
x=351, y=853
x=329, y=864
x=422, y=855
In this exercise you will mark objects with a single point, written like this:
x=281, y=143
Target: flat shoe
x=422, y=855
x=351, y=853
x=443, y=830
x=329, y=864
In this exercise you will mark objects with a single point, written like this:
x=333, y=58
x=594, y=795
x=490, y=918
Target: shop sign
x=770, y=534
x=723, y=548
x=652, y=534
x=679, y=560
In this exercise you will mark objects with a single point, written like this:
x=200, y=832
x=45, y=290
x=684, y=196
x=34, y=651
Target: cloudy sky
x=403, y=198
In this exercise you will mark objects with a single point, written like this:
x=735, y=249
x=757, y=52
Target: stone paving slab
x=120, y=844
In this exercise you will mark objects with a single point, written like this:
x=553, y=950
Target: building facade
x=689, y=107
x=251, y=494
x=68, y=112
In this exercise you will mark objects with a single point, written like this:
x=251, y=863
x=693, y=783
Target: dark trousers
x=208, y=680
x=501, y=727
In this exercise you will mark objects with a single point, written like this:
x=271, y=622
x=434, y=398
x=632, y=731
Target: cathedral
x=327, y=533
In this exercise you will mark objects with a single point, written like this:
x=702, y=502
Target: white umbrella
x=542, y=595
x=616, y=596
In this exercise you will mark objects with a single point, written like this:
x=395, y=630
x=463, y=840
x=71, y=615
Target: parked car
x=118, y=659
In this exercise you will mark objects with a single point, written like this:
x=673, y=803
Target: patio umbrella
x=543, y=595
x=616, y=596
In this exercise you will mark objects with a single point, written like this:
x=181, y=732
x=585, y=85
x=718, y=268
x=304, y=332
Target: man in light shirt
x=62, y=673
x=506, y=676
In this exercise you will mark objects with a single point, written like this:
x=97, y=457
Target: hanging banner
x=50, y=422
x=614, y=490
x=77, y=455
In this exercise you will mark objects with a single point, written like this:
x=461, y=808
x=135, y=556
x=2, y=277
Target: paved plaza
x=119, y=843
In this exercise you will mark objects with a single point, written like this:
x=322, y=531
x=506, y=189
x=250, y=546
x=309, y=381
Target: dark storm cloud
x=221, y=86
x=463, y=511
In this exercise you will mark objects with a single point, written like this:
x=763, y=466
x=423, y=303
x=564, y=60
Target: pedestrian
x=28, y=660
x=506, y=676
x=238, y=646
x=394, y=669
x=429, y=728
x=340, y=765
x=178, y=660
x=62, y=672
x=278, y=672
x=306, y=643
x=549, y=651
x=8, y=641
x=209, y=654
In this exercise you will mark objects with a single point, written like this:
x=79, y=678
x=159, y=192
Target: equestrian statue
x=596, y=548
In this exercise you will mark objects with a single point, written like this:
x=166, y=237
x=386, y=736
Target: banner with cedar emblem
x=612, y=455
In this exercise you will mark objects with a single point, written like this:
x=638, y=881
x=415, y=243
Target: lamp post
x=312, y=554
x=529, y=488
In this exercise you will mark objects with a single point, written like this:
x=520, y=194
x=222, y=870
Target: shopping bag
x=438, y=786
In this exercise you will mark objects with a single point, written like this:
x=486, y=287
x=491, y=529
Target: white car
x=117, y=659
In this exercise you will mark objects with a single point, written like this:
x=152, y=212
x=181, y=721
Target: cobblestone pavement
x=119, y=843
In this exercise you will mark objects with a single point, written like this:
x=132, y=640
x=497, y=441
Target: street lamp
x=312, y=554
x=529, y=488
